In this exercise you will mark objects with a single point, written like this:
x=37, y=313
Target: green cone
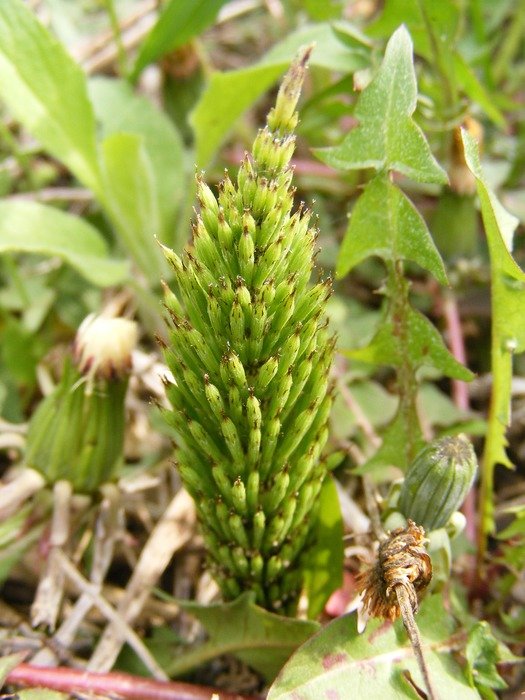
x=437, y=482
x=251, y=353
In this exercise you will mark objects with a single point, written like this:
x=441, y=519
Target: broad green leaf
x=8, y=663
x=424, y=346
x=119, y=109
x=385, y=223
x=387, y=138
x=508, y=325
x=179, y=21
x=259, y=638
x=228, y=95
x=29, y=227
x=324, y=562
x=46, y=91
x=339, y=663
x=130, y=199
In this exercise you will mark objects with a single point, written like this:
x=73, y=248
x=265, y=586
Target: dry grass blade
x=171, y=533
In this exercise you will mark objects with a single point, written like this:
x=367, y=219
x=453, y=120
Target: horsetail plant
x=250, y=352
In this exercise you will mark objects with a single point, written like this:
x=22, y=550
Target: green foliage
x=384, y=223
x=324, y=562
x=398, y=231
x=508, y=329
x=178, y=23
x=30, y=227
x=261, y=639
x=119, y=110
x=229, y=94
x=47, y=92
x=387, y=138
x=247, y=344
x=338, y=661
x=482, y=653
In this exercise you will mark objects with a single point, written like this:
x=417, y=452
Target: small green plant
x=250, y=352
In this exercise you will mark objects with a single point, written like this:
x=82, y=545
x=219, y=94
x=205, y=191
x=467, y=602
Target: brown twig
x=115, y=685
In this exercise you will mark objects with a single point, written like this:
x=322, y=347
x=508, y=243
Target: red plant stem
x=460, y=396
x=457, y=347
x=115, y=685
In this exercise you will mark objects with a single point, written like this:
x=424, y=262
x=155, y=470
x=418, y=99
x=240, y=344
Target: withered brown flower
x=401, y=561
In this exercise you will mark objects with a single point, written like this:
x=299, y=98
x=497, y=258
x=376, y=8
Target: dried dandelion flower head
x=401, y=561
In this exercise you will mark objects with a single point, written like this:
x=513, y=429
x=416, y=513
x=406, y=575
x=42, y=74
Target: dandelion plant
x=250, y=352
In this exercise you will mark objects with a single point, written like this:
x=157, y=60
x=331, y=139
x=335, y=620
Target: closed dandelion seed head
x=401, y=560
x=103, y=346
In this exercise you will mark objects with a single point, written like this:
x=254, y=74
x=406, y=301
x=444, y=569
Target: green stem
x=440, y=61
x=501, y=371
x=18, y=281
x=407, y=384
x=117, y=35
x=510, y=45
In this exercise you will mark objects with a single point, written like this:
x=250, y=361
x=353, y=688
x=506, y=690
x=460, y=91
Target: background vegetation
x=107, y=109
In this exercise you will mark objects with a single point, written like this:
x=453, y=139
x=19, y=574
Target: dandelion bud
x=77, y=431
x=103, y=346
x=437, y=481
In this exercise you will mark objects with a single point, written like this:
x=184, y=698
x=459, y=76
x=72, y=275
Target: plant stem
x=123, y=685
x=406, y=372
x=415, y=638
x=511, y=43
x=117, y=36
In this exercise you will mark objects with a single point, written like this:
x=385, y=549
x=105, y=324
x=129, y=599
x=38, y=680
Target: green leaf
x=259, y=638
x=228, y=95
x=119, y=109
x=425, y=347
x=340, y=663
x=482, y=654
x=508, y=328
x=8, y=663
x=178, y=23
x=385, y=223
x=387, y=138
x=323, y=565
x=130, y=199
x=30, y=227
x=46, y=91
x=392, y=452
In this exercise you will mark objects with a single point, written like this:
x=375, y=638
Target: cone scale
x=250, y=353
